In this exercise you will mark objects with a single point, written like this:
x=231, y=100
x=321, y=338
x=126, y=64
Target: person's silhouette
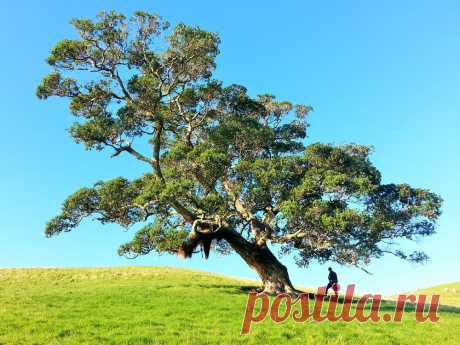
x=333, y=282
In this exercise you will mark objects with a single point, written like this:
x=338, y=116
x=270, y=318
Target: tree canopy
x=219, y=159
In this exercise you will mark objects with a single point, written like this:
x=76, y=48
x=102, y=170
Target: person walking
x=333, y=282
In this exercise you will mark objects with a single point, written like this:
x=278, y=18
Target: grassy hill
x=147, y=305
x=450, y=293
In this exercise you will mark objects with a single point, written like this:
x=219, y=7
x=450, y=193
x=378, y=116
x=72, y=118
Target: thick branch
x=184, y=212
x=261, y=231
x=117, y=77
x=133, y=152
x=157, y=149
x=289, y=237
x=239, y=205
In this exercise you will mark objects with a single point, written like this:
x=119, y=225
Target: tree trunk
x=273, y=273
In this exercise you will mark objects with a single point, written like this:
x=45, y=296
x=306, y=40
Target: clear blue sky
x=381, y=73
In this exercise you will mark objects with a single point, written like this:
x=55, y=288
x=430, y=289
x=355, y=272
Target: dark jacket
x=333, y=277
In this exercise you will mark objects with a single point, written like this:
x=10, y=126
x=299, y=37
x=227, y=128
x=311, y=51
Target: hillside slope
x=148, y=305
x=450, y=293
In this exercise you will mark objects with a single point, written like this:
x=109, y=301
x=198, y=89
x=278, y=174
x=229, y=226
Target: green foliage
x=160, y=238
x=111, y=201
x=217, y=153
x=349, y=213
x=95, y=133
x=54, y=85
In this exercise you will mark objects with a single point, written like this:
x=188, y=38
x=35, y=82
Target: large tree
x=224, y=170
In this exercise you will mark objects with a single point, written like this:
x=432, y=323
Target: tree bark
x=274, y=274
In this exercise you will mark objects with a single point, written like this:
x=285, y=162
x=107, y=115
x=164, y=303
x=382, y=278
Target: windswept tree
x=225, y=171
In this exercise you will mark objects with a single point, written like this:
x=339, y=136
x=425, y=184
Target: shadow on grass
x=232, y=289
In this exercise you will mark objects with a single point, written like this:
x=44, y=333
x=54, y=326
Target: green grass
x=146, y=305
